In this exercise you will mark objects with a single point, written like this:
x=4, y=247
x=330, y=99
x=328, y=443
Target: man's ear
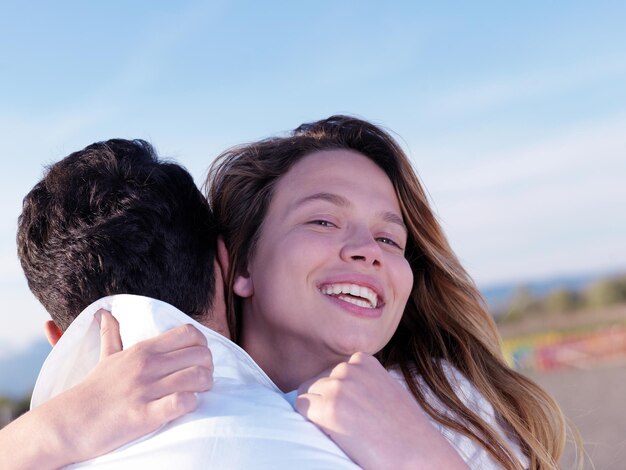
x=222, y=256
x=53, y=332
x=242, y=285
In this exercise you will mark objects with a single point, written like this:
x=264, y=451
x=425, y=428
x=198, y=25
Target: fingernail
x=98, y=316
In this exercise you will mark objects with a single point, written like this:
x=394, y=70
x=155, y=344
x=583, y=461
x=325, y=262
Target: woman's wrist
x=37, y=439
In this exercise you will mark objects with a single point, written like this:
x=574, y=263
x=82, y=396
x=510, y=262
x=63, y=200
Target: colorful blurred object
x=551, y=350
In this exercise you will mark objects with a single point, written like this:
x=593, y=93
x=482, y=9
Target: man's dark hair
x=114, y=219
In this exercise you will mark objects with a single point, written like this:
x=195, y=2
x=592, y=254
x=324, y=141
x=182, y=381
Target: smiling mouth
x=352, y=293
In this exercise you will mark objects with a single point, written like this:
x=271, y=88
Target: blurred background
x=514, y=116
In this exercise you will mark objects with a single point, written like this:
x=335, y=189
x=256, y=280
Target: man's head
x=111, y=219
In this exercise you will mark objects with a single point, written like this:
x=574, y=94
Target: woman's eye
x=322, y=223
x=388, y=241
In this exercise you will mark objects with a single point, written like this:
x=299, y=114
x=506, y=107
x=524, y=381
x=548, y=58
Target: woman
x=274, y=218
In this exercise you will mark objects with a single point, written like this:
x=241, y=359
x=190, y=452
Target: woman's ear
x=53, y=332
x=242, y=284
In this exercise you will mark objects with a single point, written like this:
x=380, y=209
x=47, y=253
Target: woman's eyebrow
x=341, y=201
x=335, y=199
x=394, y=218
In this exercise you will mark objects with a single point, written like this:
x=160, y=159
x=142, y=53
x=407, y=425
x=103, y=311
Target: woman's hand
x=133, y=392
x=128, y=394
x=373, y=418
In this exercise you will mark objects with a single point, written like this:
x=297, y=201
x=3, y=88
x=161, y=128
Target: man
x=113, y=219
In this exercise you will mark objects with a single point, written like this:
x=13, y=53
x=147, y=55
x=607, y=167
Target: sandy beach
x=594, y=400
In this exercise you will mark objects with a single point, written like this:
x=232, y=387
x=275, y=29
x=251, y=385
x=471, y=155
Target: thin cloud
x=596, y=147
x=520, y=214
x=506, y=90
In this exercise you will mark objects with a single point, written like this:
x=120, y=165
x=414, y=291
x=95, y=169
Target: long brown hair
x=445, y=319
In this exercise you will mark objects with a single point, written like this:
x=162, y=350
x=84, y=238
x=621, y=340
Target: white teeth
x=359, y=302
x=368, y=298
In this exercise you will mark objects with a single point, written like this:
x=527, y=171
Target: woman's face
x=328, y=277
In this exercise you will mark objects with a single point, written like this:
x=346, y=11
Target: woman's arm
x=129, y=394
x=374, y=419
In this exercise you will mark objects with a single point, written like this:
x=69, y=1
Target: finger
x=163, y=364
x=363, y=358
x=171, y=406
x=312, y=407
x=303, y=404
x=304, y=387
x=176, y=338
x=191, y=379
x=321, y=386
x=110, y=339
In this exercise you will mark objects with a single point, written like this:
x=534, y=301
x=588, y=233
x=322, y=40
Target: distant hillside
x=498, y=296
x=19, y=370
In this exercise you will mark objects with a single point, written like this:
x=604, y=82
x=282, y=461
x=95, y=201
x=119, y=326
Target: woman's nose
x=361, y=246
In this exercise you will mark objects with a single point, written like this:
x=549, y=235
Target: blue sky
x=514, y=115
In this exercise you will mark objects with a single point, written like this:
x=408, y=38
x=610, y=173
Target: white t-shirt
x=475, y=456
x=244, y=421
